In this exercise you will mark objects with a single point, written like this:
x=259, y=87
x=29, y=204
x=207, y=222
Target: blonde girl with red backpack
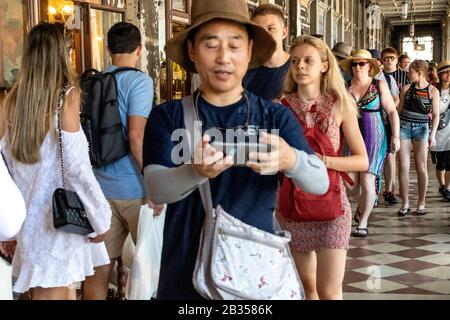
x=320, y=225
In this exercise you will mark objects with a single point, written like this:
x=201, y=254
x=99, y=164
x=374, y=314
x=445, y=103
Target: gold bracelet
x=324, y=160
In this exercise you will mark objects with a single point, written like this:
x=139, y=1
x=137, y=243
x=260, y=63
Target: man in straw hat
x=218, y=46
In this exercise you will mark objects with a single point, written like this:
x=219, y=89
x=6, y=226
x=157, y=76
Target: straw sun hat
x=360, y=54
x=232, y=10
x=443, y=66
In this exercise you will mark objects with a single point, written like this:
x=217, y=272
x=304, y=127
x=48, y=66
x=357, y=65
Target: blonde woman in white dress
x=49, y=261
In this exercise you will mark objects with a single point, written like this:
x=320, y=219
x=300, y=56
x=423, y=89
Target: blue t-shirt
x=240, y=191
x=265, y=82
x=122, y=179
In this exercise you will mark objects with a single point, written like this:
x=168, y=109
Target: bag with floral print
x=236, y=260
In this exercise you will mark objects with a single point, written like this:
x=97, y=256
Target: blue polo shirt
x=122, y=179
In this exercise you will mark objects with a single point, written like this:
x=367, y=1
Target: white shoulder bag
x=236, y=260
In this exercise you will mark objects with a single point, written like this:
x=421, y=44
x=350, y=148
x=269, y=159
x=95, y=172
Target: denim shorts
x=413, y=131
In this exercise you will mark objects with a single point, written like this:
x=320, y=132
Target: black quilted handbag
x=68, y=210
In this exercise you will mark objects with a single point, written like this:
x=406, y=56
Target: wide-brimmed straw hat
x=232, y=10
x=360, y=54
x=443, y=66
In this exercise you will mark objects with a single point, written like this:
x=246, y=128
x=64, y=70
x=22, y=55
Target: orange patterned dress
x=319, y=235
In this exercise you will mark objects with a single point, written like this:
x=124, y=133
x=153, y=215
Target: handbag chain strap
x=62, y=94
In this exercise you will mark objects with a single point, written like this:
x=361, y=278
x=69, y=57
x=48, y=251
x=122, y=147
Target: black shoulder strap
x=376, y=82
x=428, y=91
x=121, y=69
x=377, y=85
x=388, y=79
x=349, y=83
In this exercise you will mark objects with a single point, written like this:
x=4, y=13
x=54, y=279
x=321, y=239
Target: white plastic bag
x=142, y=283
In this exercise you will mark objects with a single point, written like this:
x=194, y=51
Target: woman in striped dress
x=370, y=95
x=417, y=100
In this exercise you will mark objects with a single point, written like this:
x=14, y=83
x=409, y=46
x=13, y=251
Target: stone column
x=446, y=38
x=295, y=28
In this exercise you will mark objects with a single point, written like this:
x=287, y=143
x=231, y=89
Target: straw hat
x=360, y=54
x=443, y=66
x=232, y=10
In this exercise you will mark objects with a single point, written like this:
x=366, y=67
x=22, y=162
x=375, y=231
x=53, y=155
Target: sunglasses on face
x=391, y=58
x=361, y=64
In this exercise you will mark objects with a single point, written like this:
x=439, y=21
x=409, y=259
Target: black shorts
x=441, y=159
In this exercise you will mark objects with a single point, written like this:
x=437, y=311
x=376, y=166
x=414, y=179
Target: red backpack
x=298, y=205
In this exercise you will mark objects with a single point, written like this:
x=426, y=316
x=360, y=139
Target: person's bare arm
x=136, y=129
x=435, y=98
x=346, y=115
x=401, y=105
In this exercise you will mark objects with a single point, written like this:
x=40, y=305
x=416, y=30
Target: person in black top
x=390, y=61
x=267, y=80
x=417, y=101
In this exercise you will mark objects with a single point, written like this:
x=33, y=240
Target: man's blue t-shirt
x=265, y=82
x=242, y=192
x=122, y=179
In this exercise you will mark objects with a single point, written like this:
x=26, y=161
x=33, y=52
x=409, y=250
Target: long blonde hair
x=31, y=105
x=332, y=82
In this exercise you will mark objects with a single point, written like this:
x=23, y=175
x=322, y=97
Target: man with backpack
x=120, y=180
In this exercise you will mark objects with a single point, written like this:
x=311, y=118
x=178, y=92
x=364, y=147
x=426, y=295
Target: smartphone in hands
x=240, y=151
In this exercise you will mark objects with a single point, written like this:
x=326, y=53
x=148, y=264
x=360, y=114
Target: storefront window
x=13, y=26
x=100, y=22
x=115, y=3
x=179, y=5
x=281, y=3
x=62, y=11
x=179, y=76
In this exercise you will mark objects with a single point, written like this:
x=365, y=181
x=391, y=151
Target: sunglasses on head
x=361, y=64
x=390, y=58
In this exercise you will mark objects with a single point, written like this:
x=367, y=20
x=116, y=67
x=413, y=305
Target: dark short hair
x=123, y=37
x=268, y=8
x=402, y=56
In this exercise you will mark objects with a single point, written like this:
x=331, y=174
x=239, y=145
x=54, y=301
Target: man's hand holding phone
x=208, y=162
x=281, y=157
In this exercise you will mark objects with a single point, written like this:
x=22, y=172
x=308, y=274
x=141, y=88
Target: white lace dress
x=46, y=257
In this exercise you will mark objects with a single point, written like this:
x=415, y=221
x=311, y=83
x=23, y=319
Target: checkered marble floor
x=403, y=257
